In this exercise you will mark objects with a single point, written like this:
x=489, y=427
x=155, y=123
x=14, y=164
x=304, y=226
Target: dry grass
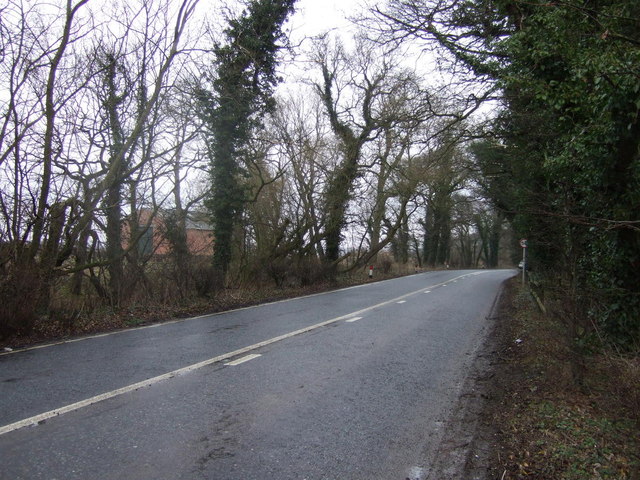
x=74, y=316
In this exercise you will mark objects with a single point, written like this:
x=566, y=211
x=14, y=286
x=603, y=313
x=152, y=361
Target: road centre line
x=37, y=419
x=180, y=320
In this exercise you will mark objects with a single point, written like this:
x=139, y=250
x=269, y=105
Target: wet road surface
x=351, y=384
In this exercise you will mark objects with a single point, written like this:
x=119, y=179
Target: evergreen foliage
x=564, y=162
x=569, y=161
x=245, y=76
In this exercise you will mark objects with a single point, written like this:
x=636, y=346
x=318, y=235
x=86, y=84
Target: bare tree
x=365, y=82
x=57, y=174
x=386, y=124
x=447, y=178
x=135, y=82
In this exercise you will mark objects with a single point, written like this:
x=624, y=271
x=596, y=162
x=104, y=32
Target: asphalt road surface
x=352, y=384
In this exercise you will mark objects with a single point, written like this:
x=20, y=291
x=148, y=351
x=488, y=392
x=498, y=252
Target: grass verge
x=97, y=318
x=555, y=413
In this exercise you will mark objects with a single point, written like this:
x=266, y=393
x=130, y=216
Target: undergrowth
x=74, y=316
x=563, y=414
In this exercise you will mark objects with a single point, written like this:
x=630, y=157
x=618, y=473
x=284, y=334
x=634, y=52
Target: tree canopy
x=244, y=77
x=564, y=161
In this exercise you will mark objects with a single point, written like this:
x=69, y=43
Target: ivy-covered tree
x=242, y=88
x=564, y=164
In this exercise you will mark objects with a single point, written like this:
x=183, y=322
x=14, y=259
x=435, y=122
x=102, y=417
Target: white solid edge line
x=215, y=314
x=354, y=319
x=190, y=368
x=242, y=360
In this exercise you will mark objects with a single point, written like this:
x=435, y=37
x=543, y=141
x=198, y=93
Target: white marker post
x=523, y=244
x=370, y=271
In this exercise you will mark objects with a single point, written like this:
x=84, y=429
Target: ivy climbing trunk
x=242, y=91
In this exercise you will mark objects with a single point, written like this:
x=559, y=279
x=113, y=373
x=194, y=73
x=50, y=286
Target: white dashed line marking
x=190, y=368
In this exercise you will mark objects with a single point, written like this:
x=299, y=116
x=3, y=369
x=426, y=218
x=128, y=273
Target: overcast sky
x=313, y=17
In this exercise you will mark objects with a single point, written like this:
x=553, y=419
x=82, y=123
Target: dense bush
x=566, y=165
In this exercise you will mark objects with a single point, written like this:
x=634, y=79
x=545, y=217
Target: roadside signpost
x=523, y=244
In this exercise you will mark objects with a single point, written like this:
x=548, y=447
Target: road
x=351, y=384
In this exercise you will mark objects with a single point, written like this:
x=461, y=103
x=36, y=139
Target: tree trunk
x=113, y=197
